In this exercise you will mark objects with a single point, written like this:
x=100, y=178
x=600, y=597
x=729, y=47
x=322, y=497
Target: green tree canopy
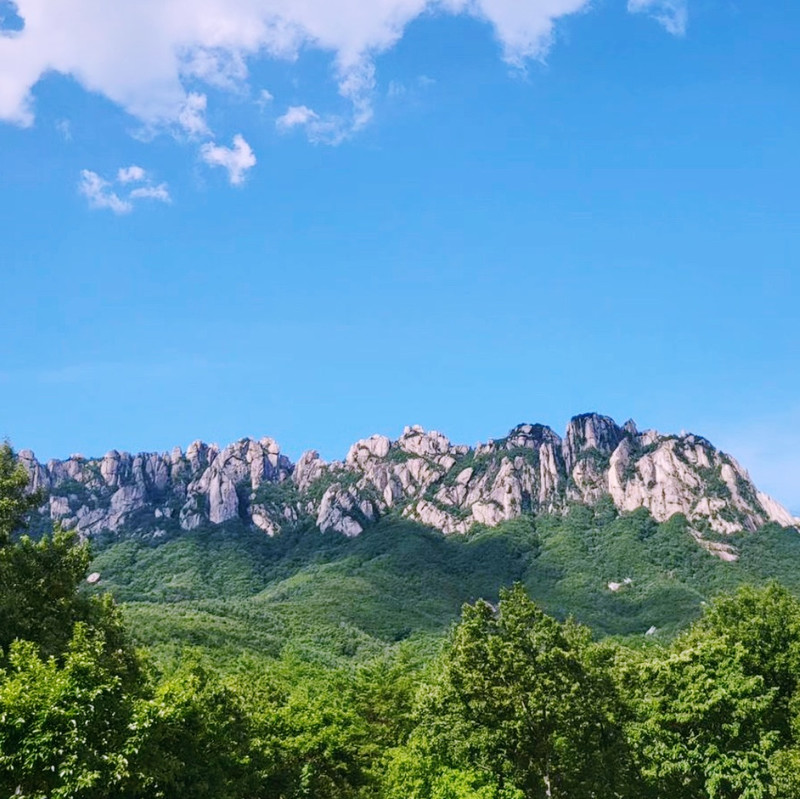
x=717, y=713
x=527, y=700
x=16, y=501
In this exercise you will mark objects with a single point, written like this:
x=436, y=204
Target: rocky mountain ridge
x=421, y=475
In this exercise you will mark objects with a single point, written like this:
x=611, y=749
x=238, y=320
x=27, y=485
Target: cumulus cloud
x=237, y=160
x=142, y=55
x=673, y=15
x=106, y=194
x=148, y=56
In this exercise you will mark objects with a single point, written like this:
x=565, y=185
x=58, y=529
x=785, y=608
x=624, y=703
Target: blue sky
x=341, y=221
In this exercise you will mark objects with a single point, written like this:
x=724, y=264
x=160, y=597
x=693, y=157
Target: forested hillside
x=313, y=665
x=228, y=588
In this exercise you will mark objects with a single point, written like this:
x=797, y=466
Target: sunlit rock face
x=421, y=476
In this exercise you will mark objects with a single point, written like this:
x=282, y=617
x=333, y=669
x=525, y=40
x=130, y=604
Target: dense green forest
x=327, y=598
x=399, y=665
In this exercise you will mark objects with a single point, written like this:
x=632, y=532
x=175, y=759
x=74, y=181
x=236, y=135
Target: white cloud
x=148, y=56
x=673, y=15
x=100, y=194
x=237, y=159
x=104, y=194
x=192, y=116
x=329, y=129
x=265, y=97
x=142, y=54
x=131, y=174
x=218, y=67
x=296, y=116
x=159, y=192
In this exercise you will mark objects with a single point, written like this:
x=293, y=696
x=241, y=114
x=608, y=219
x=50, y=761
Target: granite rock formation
x=421, y=475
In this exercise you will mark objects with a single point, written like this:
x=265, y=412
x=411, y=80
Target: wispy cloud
x=329, y=129
x=64, y=127
x=265, y=98
x=100, y=193
x=131, y=183
x=673, y=15
x=412, y=90
x=160, y=193
x=237, y=160
x=192, y=115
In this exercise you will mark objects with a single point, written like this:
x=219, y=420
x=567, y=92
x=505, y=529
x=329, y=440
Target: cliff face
x=421, y=475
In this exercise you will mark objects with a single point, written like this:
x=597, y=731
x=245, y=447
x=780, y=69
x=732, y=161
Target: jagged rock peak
x=204, y=485
x=428, y=444
x=590, y=432
x=372, y=447
x=421, y=474
x=531, y=436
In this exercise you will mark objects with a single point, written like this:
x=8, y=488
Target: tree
x=765, y=624
x=529, y=701
x=704, y=725
x=313, y=742
x=191, y=738
x=717, y=713
x=39, y=601
x=415, y=772
x=68, y=674
x=15, y=500
x=63, y=723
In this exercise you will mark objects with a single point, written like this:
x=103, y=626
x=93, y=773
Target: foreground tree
x=68, y=674
x=525, y=705
x=191, y=737
x=717, y=713
x=15, y=500
x=64, y=722
x=39, y=580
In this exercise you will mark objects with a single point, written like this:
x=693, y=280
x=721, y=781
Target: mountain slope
x=230, y=589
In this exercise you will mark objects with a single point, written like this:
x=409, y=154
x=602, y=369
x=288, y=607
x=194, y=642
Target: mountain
x=421, y=476
x=221, y=548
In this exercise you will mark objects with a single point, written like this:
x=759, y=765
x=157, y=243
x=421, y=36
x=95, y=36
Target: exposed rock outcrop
x=421, y=475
